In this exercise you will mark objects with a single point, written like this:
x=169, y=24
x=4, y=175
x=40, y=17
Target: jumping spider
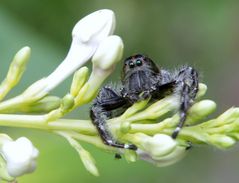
x=141, y=79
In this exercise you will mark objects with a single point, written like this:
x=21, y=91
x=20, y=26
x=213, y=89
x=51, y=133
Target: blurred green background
x=204, y=34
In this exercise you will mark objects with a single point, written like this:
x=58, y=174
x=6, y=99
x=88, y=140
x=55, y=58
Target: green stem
x=95, y=140
x=39, y=122
x=196, y=134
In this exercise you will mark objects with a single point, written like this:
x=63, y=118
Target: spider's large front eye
x=138, y=62
x=131, y=64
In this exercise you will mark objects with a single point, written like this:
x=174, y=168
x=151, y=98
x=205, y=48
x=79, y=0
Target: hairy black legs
x=107, y=101
x=184, y=83
x=187, y=87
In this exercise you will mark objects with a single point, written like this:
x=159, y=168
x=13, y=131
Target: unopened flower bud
x=108, y=53
x=95, y=26
x=16, y=71
x=157, y=146
x=125, y=126
x=202, y=89
x=20, y=156
x=176, y=155
x=200, y=110
x=87, y=34
x=79, y=80
x=157, y=109
x=221, y=141
x=160, y=145
x=89, y=162
x=67, y=102
x=130, y=156
x=18, y=64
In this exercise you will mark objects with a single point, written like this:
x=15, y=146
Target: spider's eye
x=131, y=64
x=138, y=62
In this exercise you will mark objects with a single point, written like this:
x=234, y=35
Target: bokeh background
x=204, y=34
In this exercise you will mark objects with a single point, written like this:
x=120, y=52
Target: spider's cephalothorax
x=139, y=77
x=142, y=79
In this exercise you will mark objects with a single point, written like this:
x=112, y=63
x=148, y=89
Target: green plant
x=149, y=126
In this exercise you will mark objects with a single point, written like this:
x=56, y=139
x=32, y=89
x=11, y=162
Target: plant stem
x=39, y=122
x=84, y=130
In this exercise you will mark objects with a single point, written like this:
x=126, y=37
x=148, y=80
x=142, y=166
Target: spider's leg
x=187, y=87
x=162, y=90
x=102, y=108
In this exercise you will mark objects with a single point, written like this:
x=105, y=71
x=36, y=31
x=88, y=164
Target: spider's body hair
x=142, y=79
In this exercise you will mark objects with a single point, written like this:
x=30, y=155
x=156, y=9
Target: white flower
x=160, y=149
x=176, y=155
x=109, y=52
x=87, y=34
x=20, y=156
x=158, y=145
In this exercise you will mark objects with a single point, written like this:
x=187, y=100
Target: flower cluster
x=148, y=126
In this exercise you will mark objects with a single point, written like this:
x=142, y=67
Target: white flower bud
x=176, y=155
x=20, y=156
x=158, y=145
x=87, y=34
x=95, y=27
x=109, y=52
x=160, y=149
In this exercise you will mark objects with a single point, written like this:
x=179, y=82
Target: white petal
x=87, y=34
x=20, y=156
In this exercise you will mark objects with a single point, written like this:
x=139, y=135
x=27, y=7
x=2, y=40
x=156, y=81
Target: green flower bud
x=125, y=126
x=67, y=102
x=202, y=89
x=135, y=108
x=89, y=162
x=18, y=65
x=79, y=80
x=85, y=156
x=130, y=156
x=231, y=115
x=157, y=109
x=15, y=72
x=46, y=104
x=200, y=110
x=221, y=141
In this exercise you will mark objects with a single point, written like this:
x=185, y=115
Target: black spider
x=142, y=79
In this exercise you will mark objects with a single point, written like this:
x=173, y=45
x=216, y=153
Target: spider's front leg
x=187, y=88
x=102, y=109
